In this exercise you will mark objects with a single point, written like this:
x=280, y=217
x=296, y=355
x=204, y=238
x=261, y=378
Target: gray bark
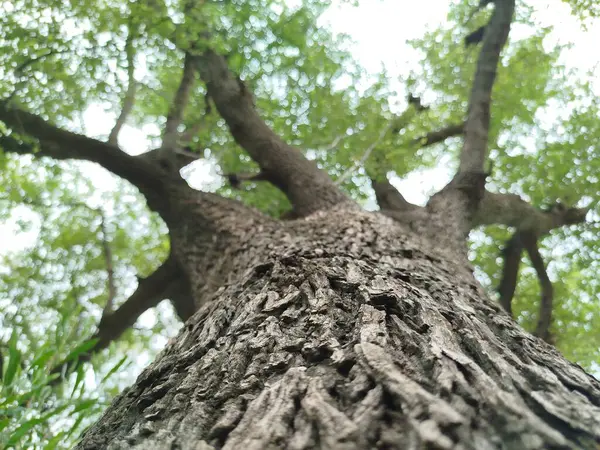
x=346, y=330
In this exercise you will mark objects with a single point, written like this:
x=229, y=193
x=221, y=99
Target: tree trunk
x=345, y=330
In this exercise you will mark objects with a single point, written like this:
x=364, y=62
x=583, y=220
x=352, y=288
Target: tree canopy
x=90, y=240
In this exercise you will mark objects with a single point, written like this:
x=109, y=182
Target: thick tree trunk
x=345, y=331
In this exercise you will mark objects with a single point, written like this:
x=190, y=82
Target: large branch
x=165, y=281
x=511, y=210
x=61, y=144
x=530, y=223
x=474, y=152
x=456, y=203
x=164, y=194
x=308, y=188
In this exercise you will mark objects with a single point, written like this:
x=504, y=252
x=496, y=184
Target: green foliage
x=30, y=411
x=584, y=9
x=54, y=291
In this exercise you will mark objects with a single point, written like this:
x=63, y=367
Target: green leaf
x=114, y=369
x=85, y=404
x=81, y=349
x=21, y=431
x=4, y=421
x=78, y=380
x=53, y=443
x=45, y=355
x=14, y=361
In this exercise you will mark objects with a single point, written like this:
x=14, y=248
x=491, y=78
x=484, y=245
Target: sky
x=380, y=29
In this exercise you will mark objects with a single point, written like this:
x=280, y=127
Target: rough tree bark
x=340, y=329
x=349, y=331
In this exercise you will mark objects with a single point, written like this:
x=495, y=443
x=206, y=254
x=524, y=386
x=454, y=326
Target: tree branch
x=236, y=179
x=531, y=223
x=388, y=197
x=510, y=271
x=34, y=59
x=512, y=259
x=108, y=259
x=511, y=210
x=545, y=311
x=390, y=201
x=167, y=280
x=384, y=131
x=61, y=144
x=180, y=101
x=459, y=200
x=474, y=152
x=129, y=99
x=437, y=136
x=308, y=188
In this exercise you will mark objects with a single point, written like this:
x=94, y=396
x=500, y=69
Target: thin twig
x=112, y=290
x=129, y=99
x=21, y=67
x=180, y=101
x=108, y=257
x=366, y=154
x=19, y=71
x=333, y=143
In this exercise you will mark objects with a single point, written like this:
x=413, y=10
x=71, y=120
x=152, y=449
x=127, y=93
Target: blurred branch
x=510, y=271
x=34, y=59
x=389, y=198
x=333, y=144
x=236, y=179
x=545, y=310
x=167, y=281
x=188, y=135
x=112, y=290
x=512, y=259
x=382, y=134
x=511, y=210
x=19, y=71
x=129, y=99
x=106, y=250
x=180, y=101
x=441, y=135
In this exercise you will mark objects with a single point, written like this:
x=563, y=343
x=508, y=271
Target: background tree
x=284, y=82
